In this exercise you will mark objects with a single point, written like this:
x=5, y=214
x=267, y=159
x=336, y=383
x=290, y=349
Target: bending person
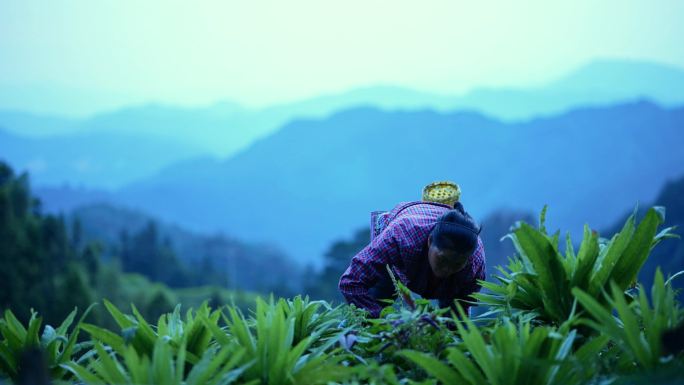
x=433, y=248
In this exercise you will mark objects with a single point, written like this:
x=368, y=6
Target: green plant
x=166, y=365
x=269, y=341
x=57, y=345
x=638, y=328
x=299, y=341
x=374, y=374
x=423, y=328
x=142, y=336
x=409, y=322
x=310, y=317
x=540, y=278
x=510, y=353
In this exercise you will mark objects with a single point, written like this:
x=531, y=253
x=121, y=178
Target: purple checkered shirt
x=403, y=245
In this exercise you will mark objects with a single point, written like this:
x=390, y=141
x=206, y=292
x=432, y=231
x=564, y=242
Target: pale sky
x=263, y=52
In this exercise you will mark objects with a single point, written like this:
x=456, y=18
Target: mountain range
x=591, y=145
x=317, y=180
x=247, y=266
x=222, y=130
x=104, y=159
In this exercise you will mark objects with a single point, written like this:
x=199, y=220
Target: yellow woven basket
x=442, y=192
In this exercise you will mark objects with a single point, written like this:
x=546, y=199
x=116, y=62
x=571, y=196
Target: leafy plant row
x=554, y=318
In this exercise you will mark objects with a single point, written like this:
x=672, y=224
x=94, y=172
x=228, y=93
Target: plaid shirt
x=403, y=245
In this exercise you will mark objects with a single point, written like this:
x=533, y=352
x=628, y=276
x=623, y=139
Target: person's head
x=452, y=241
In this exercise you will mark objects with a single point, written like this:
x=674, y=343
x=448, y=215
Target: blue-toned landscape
x=188, y=170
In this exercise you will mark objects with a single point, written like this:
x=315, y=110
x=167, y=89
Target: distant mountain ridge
x=106, y=160
x=225, y=129
x=316, y=180
x=243, y=263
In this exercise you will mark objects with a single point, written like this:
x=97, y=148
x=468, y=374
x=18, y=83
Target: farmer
x=432, y=248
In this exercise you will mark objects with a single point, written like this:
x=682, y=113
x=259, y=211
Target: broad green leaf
x=465, y=367
x=71, y=343
x=82, y=374
x=106, y=337
x=434, y=367
x=610, y=256
x=162, y=364
x=563, y=352
x=64, y=327
x=7, y=361
x=605, y=321
x=32, y=337
x=221, y=337
x=111, y=370
x=121, y=319
x=586, y=258
x=552, y=279
x=570, y=260
x=628, y=266
x=138, y=366
x=144, y=336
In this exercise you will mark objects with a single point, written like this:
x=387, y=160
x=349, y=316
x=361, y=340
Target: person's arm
x=366, y=268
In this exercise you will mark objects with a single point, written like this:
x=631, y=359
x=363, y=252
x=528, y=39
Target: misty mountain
x=247, y=266
x=599, y=83
x=66, y=198
x=225, y=129
x=30, y=125
x=104, y=159
x=316, y=180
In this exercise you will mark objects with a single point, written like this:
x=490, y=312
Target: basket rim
x=445, y=183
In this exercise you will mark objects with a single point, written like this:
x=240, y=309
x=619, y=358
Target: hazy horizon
x=77, y=58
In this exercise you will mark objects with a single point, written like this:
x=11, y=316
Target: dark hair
x=456, y=231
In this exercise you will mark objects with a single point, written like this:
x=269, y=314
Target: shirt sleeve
x=472, y=285
x=366, y=268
